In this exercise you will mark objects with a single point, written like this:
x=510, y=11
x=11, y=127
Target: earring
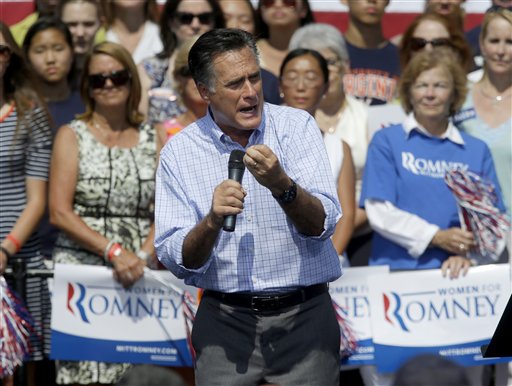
x=281, y=95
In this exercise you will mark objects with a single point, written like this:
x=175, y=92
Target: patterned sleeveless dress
x=114, y=196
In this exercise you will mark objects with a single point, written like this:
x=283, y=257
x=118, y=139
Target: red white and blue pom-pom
x=476, y=199
x=16, y=326
x=348, y=340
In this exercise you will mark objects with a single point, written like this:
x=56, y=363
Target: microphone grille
x=236, y=159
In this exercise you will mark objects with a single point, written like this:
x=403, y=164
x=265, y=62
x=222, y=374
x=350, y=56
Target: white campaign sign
x=420, y=311
x=95, y=318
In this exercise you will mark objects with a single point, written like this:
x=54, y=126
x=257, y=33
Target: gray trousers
x=236, y=346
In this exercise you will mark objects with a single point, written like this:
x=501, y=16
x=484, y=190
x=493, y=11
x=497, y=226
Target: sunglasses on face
x=5, y=51
x=118, y=78
x=420, y=43
x=204, y=18
x=271, y=3
x=498, y=8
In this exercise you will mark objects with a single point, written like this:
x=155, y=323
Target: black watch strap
x=288, y=195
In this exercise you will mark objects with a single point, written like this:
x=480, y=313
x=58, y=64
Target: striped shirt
x=265, y=253
x=23, y=154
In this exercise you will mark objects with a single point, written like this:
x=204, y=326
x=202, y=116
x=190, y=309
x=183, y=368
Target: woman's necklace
x=495, y=98
x=328, y=123
x=110, y=137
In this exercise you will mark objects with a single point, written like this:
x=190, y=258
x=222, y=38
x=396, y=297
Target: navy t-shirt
x=374, y=73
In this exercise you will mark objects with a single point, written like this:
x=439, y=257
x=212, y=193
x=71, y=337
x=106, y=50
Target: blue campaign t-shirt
x=374, y=73
x=408, y=171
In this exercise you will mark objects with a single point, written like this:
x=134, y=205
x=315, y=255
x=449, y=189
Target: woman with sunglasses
x=180, y=20
x=25, y=149
x=278, y=20
x=102, y=186
x=132, y=23
x=304, y=80
x=487, y=112
x=429, y=31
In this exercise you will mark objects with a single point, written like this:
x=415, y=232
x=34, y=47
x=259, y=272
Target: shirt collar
x=219, y=134
x=451, y=133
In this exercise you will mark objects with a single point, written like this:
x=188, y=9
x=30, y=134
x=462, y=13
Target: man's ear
x=203, y=91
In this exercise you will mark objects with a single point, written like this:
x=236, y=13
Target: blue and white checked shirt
x=265, y=253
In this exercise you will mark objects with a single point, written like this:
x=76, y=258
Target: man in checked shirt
x=266, y=315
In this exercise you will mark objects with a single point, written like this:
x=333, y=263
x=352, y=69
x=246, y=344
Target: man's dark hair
x=430, y=369
x=212, y=44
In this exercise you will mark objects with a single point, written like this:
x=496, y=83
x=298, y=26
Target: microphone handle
x=230, y=221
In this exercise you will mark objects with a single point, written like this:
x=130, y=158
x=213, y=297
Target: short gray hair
x=319, y=36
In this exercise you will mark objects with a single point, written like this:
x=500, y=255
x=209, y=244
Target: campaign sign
x=350, y=294
x=95, y=318
x=420, y=312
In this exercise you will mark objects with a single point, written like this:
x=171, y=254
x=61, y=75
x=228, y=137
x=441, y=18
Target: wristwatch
x=288, y=195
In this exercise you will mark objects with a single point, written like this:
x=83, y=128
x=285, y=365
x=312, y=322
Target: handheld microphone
x=236, y=170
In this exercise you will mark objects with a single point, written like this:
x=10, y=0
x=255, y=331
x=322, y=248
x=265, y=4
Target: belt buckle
x=264, y=303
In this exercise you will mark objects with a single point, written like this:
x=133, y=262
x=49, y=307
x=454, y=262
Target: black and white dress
x=25, y=153
x=114, y=196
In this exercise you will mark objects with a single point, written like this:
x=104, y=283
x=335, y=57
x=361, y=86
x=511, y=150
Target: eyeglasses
x=118, y=78
x=204, y=18
x=420, y=43
x=333, y=62
x=310, y=80
x=5, y=51
x=286, y=3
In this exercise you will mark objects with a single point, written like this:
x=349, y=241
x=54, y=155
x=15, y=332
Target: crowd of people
x=111, y=112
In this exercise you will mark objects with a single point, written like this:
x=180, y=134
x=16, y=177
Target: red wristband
x=15, y=241
x=114, y=251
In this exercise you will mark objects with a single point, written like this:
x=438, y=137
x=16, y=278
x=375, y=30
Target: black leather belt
x=274, y=302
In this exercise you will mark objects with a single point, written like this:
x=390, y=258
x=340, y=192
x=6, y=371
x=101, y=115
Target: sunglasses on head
x=204, y=18
x=420, y=43
x=118, y=78
x=5, y=51
x=271, y=3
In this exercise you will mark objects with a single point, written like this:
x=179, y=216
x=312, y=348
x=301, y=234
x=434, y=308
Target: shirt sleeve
x=38, y=150
x=174, y=219
x=380, y=172
x=307, y=163
x=403, y=228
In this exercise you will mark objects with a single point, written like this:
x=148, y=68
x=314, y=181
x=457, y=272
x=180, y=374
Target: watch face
x=289, y=194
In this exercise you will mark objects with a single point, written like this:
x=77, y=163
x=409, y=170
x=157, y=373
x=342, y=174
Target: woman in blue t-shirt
x=408, y=203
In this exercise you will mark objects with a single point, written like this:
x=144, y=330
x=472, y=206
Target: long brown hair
x=121, y=54
x=18, y=82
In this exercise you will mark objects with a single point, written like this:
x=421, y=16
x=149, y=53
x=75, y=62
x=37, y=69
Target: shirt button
x=249, y=218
